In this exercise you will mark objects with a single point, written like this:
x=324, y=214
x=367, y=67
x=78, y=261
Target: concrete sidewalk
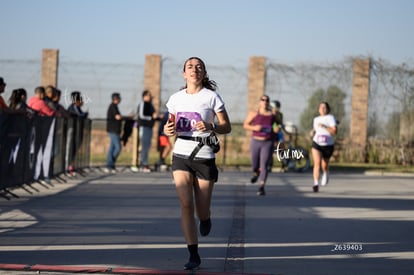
x=130, y=223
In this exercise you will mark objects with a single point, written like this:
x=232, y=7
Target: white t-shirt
x=322, y=137
x=189, y=109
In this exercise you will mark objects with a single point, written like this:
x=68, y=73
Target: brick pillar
x=255, y=89
x=256, y=81
x=152, y=83
x=50, y=61
x=152, y=78
x=360, y=95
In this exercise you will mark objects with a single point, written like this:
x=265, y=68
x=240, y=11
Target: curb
x=107, y=270
x=391, y=174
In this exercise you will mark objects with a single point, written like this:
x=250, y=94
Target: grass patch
x=126, y=157
x=363, y=167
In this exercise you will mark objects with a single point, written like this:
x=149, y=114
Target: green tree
x=406, y=132
x=335, y=97
x=392, y=127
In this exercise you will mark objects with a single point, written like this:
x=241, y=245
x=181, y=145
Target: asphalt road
x=130, y=223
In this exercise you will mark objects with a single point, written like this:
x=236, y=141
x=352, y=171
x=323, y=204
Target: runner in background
x=324, y=131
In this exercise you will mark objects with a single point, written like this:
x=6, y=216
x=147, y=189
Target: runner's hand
x=169, y=129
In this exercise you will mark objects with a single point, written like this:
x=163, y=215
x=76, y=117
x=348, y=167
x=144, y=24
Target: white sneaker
x=325, y=179
x=146, y=170
x=106, y=170
x=134, y=169
x=163, y=168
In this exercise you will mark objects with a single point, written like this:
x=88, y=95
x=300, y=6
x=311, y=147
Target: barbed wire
x=292, y=84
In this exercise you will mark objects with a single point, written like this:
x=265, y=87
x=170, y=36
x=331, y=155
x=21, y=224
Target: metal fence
x=391, y=88
x=40, y=148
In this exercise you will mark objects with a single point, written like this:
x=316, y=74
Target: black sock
x=193, y=249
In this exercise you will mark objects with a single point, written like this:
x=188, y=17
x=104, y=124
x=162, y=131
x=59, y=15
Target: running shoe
x=325, y=179
x=261, y=191
x=193, y=264
x=205, y=227
x=254, y=178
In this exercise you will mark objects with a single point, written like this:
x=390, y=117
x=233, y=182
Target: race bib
x=322, y=139
x=266, y=129
x=186, y=121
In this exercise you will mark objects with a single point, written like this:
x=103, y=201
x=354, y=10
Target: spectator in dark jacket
x=113, y=127
x=17, y=100
x=146, y=116
x=59, y=107
x=77, y=102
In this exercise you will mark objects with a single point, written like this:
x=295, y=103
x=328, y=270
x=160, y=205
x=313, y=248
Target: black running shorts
x=326, y=151
x=204, y=169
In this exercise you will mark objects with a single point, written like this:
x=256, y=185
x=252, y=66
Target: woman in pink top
x=37, y=103
x=261, y=123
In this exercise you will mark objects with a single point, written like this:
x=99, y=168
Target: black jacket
x=144, y=113
x=113, y=125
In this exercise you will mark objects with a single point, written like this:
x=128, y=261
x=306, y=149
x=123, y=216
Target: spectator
x=3, y=104
x=38, y=104
x=17, y=100
x=75, y=127
x=146, y=116
x=277, y=128
x=59, y=107
x=75, y=108
x=279, y=119
x=50, y=93
x=164, y=145
x=113, y=127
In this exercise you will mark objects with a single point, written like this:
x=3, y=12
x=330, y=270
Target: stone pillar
x=152, y=78
x=255, y=89
x=50, y=61
x=152, y=83
x=256, y=81
x=360, y=95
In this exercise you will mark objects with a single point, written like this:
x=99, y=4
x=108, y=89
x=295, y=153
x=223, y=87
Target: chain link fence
x=391, y=101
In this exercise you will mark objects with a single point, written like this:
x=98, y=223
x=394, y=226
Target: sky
x=221, y=32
